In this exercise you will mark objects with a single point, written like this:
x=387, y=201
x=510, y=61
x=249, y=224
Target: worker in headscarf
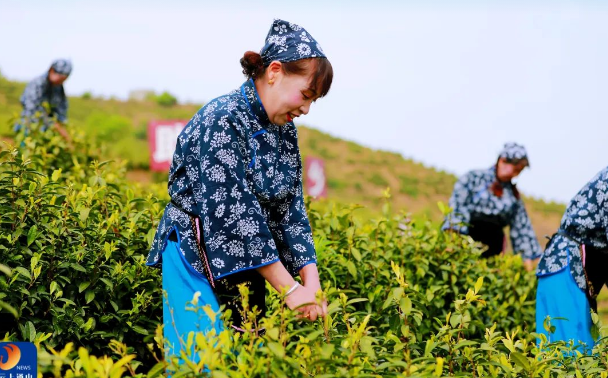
x=486, y=201
x=44, y=99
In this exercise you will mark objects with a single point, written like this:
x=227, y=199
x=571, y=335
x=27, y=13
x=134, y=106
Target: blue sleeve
x=31, y=100
x=460, y=217
x=587, y=210
x=234, y=225
x=294, y=234
x=522, y=234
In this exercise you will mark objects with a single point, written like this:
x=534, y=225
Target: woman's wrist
x=313, y=284
x=277, y=276
x=310, y=275
x=293, y=288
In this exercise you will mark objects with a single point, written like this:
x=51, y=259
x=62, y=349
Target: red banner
x=316, y=182
x=162, y=138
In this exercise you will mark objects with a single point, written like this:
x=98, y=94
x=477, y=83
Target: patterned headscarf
x=514, y=153
x=287, y=42
x=62, y=66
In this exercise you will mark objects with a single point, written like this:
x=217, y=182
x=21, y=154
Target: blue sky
x=443, y=83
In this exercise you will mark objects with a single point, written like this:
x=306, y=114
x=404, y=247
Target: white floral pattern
x=584, y=222
x=472, y=197
x=62, y=66
x=513, y=151
x=38, y=92
x=287, y=42
x=242, y=176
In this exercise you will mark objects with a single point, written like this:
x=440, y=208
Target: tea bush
x=405, y=299
x=108, y=128
x=74, y=234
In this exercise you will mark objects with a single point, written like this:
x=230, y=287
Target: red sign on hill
x=162, y=138
x=316, y=182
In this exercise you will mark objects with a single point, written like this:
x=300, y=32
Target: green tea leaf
x=351, y=268
x=405, y=305
x=84, y=214
x=32, y=234
x=24, y=272
x=140, y=330
x=277, y=349
x=520, y=360
x=83, y=285
x=89, y=295
x=56, y=175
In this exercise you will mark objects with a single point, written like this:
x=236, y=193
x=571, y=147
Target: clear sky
x=443, y=82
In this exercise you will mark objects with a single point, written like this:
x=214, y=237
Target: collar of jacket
x=255, y=103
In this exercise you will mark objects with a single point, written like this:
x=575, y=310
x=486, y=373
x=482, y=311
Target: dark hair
x=322, y=71
x=496, y=186
x=252, y=64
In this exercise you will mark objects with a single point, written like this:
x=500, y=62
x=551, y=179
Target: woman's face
x=286, y=96
x=506, y=171
x=56, y=78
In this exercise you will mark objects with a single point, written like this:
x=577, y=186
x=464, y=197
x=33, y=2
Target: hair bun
x=252, y=64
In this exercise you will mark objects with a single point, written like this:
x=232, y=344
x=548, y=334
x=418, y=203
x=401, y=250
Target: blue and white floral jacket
x=473, y=197
x=242, y=176
x=584, y=222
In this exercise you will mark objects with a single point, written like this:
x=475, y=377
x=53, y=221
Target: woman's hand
x=281, y=280
x=310, y=277
x=304, y=299
x=64, y=133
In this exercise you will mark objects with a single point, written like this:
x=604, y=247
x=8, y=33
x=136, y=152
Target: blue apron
x=558, y=296
x=180, y=283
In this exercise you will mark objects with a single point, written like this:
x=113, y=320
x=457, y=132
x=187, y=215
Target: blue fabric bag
x=558, y=296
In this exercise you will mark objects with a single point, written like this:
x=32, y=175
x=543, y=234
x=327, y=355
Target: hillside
x=356, y=174
x=120, y=124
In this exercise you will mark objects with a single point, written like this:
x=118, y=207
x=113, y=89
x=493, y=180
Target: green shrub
x=313, y=144
x=325, y=153
x=442, y=184
x=405, y=299
x=141, y=133
x=409, y=185
x=166, y=99
x=108, y=128
x=3, y=305
x=335, y=183
x=131, y=151
x=354, y=147
x=378, y=180
x=75, y=236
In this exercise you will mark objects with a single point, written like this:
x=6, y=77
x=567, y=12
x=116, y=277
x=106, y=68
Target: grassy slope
x=355, y=173
x=121, y=124
x=359, y=174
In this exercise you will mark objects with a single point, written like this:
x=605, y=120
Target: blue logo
x=18, y=360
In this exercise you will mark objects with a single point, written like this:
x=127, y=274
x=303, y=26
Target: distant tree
x=86, y=96
x=166, y=99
